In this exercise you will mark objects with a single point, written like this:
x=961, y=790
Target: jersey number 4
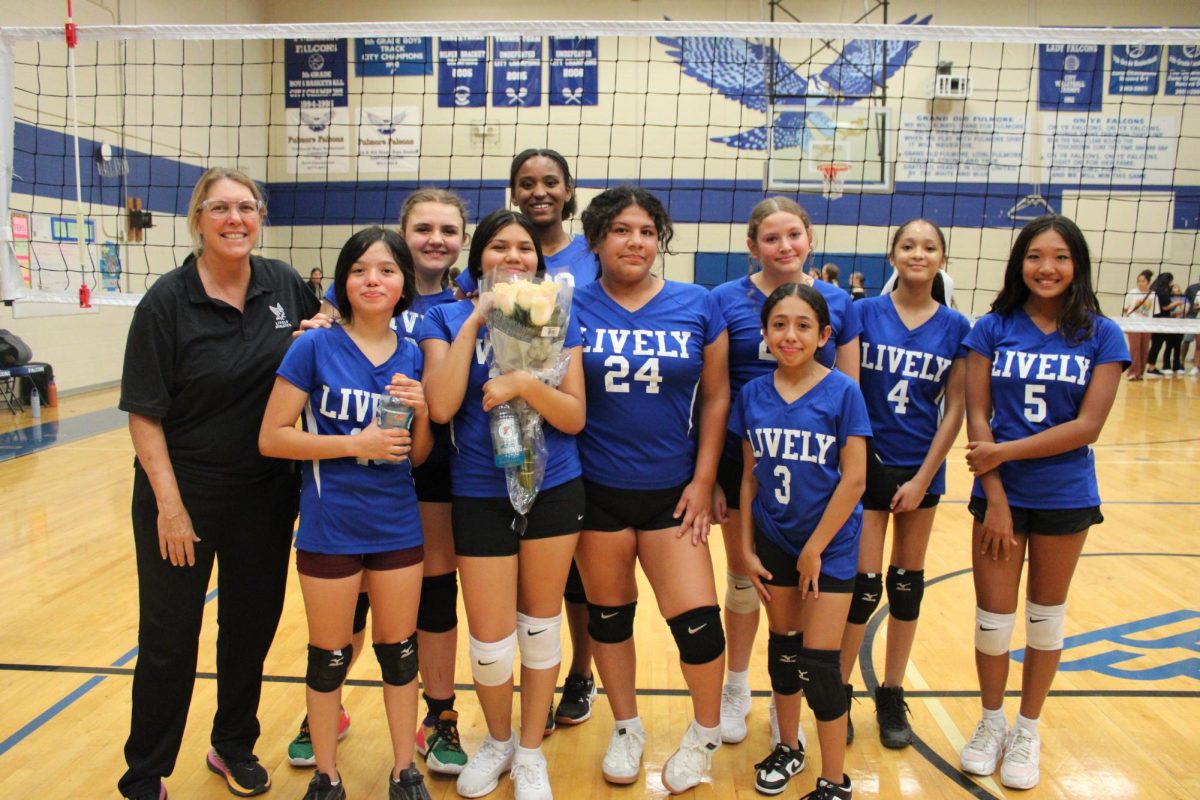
x=899, y=396
x=618, y=370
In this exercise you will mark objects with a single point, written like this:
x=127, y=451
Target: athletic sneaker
x=623, y=760
x=322, y=788
x=849, y=687
x=1022, y=752
x=244, y=777
x=830, y=791
x=440, y=746
x=689, y=765
x=578, y=694
x=531, y=780
x=892, y=714
x=409, y=786
x=777, y=769
x=981, y=755
x=300, y=752
x=1152, y=373
x=1194, y=371
x=735, y=707
x=483, y=770
x=160, y=794
x=550, y=726
x=773, y=721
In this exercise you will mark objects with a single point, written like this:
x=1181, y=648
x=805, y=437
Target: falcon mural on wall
x=738, y=70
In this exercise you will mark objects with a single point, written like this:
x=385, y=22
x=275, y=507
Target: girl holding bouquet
x=651, y=348
x=358, y=507
x=512, y=583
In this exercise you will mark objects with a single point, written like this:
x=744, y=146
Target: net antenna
x=80, y=229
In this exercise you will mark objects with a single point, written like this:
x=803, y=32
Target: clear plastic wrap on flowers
x=527, y=325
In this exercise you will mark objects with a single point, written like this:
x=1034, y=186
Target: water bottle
x=35, y=403
x=392, y=413
x=506, y=437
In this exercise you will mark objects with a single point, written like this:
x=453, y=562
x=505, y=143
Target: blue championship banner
x=385, y=57
x=574, y=71
x=314, y=73
x=462, y=72
x=1070, y=77
x=516, y=71
x=1183, y=70
x=1133, y=69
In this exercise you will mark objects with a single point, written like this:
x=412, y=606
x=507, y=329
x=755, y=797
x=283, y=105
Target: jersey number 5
x=1035, y=404
x=618, y=370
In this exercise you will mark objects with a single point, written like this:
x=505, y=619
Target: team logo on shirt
x=281, y=320
x=790, y=445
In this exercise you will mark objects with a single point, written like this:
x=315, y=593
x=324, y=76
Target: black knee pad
x=821, y=677
x=360, y=612
x=398, y=662
x=574, y=592
x=327, y=668
x=868, y=589
x=611, y=624
x=438, y=609
x=783, y=662
x=698, y=634
x=905, y=589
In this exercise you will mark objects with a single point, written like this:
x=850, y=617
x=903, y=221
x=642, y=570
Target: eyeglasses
x=221, y=209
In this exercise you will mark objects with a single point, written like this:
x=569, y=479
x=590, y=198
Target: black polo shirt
x=206, y=369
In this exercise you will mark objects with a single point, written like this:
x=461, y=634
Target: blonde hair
x=443, y=197
x=772, y=205
x=200, y=194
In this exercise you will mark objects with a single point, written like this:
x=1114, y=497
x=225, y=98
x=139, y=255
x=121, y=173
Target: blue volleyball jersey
x=576, y=265
x=797, y=450
x=903, y=375
x=408, y=322
x=643, y=374
x=345, y=507
x=1038, y=381
x=473, y=473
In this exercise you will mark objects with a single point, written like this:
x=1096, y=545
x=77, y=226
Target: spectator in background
x=1173, y=351
x=1141, y=303
x=857, y=290
x=830, y=273
x=1161, y=288
x=1192, y=312
x=314, y=282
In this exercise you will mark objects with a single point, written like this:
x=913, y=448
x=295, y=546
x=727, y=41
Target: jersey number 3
x=618, y=371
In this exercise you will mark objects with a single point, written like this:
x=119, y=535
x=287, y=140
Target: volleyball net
x=867, y=125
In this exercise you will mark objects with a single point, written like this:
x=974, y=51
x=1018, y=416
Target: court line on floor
x=53, y=433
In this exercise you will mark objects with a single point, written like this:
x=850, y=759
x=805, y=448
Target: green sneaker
x=300, y=751
x=440, y=746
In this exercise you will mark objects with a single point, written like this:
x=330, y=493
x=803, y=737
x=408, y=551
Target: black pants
x=248, y=530
x=1173, y=351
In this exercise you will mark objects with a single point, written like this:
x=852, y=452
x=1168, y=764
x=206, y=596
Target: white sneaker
x=735, y=707
x=483, y=770
x=623, y=759
x=689, y=765
x=981, y=755
x=530, y=779
x=773, y=720
x=1022, y=752
x=1194, y=371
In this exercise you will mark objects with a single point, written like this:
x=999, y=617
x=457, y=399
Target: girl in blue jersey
x=1041, y=377
x=357, y=505
x=652, y=350
x=780, y=238
x=803, y=429
x=912, y=376
x=512, y=582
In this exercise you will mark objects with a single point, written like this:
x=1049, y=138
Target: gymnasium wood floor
x=1121, y=722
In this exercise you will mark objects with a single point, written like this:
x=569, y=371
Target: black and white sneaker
x=892, y=713
x=849, y=687
x=830, y=791
x=578, y=694
x=777, y=769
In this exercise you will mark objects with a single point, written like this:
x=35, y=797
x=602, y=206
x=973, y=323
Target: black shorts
x=433, y=482
x=883, y=481
x=341, y=565
x=729, y=478
x=484, y=526
x=610, y=509
x=782, y=566
x=1043, y=521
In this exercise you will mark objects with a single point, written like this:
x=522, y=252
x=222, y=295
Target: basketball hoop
x=833, y=175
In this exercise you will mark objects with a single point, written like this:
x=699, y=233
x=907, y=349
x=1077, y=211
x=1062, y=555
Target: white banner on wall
x=318, y=140
x=389, y=139
x=1086, y=148
x=960, y=147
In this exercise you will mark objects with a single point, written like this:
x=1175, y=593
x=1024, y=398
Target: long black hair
x=487, y=229
x=353, y=250
x=523, y=156
x=1075, y=319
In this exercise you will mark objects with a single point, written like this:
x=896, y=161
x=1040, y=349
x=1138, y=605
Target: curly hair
x=605, y=207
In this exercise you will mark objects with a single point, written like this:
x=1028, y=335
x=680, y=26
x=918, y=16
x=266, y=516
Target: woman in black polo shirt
x=200, y=361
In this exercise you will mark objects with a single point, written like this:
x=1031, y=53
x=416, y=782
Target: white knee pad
x=492, y=662
x=1044, y=626
x=740, y=594
x=993, y=632
x=541, y=640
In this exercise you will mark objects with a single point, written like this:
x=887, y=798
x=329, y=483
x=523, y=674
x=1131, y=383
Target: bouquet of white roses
x=528, y=326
